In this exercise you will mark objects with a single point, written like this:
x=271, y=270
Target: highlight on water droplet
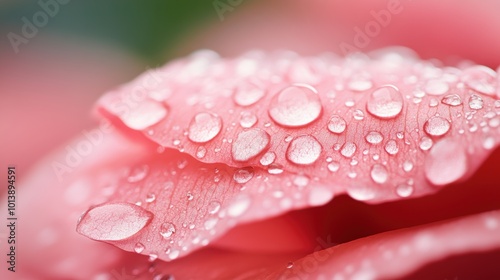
x=204, y=127
x=437, y=126
x=295, y=106
x=113, y=221
x=480, y=79
x=385, y=102
x=243, y=175
x=336, y=124
x=249, y=144
x=304, y=150
x=446, y=162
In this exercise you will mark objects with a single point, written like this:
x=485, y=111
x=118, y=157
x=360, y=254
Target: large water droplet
x=204, y=127
x=268, y=158
x=452, y=100
x=337, y=124
x=243, y=175
x=167, y=229
x=295, y=106
x=250, y=144
x=385, y=102
x=374, y=137
x=113, y=221
x=146, y=114
x=304, y=150
x=247, y=94
x=475, y=102
x=436, y=87
x=391, y=147
x=437, y=126
x=348, y=149
x=481, y=79
x=446, y=162
x=379, y=173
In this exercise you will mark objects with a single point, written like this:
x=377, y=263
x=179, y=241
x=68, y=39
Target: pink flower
x=273, y=165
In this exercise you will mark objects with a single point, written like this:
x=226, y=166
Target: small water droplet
x=433, y=102
x=446, y=162
x=301, y=181
x=201, y=152
x=481, y=79
x=174, y=254
x=452, y=100
x=295, y=106
x=374, y=137
x=210, y=223
x=204, y=127
x=213, y=207
x=404, y=190
x=152, y=257
x=349, y=103
x=167, y=229
x=275, y=169
x=249, y=144
x=268, y=158
x=425, y=143
x=247, y=94
x=336, y=124
x=147, y=113
x=243, y=175
x=189, y=196
x=437, y=126
x=489, y=143
x=436, y=87
x=379, y=173
x=348, y=149
x=247, y=120
x=475, y=102
x=385, y=102
x=391, y=147
x=358, y=115
x=138, y=173
x=139, y=247
x=150, y=197
x=239, y=206
x=407, y=166
x=304, y=150
x=113, y=221
x=289, y=265
x=333, y=166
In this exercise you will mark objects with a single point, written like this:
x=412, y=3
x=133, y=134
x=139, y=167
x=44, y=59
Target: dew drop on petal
x=475, y=102
x=358, y=115
x=139, y=247
x=385, y=102
x=295, y=106
x=304, y=150
x=374, y=137
x=138, y=173
x=249, y=144
x=404, y=190
x=407, y=166
x=436, y=87
x=336, y=124
x=391, y=147
x=348, y=149
x=319, y=196
x=213, y=207
x=452, y=100
x=379, y=173
x=247, y=119
x=201, y=152
x=204, y=127
x=275, y=169
x=167, y=229
x=113, y=221
x=267, y=158
x=446, y=162
x=437, y=126
x=425, y=143
x=239, y=206
x=480, y=79
x=243, y=175
x=144, y=115
x=247, y=94
x=489, y=143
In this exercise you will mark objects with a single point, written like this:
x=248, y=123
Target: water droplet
x=174, y=254
x=213, y=207
x=379, y=174
x=319, y=196
x=247, y=94
x=437, y=126
x=348, y=149
x=436, y=87
x=204, y=127
x=374, y=137
x=189, y=196
x=391, y=147
x=150, y=197
x=247, y=119
x=113, y=221
x=425, y=143
x=152, y=257
x=167, y=229
x=358, y=115
x=275, y=169
x=249, y=144
x=475, y=102
x=289, y=265
x=295, y=106
x=452, y=100
x=301, y=181
x=337, y=124
x=408, y=165
x=138, y=173
x=304, y=150
x=446, y=162
x=147, y=113
x=139, y=247
x=489, y=143
x=210, y=223
x=201, y=152
x=433, y=102
x=239, y=206
x=404, y=190
x=268, y=158
x=385, y=102
x=243, y=175
x=481, y=79
x=333, y=166
x=361, y=193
